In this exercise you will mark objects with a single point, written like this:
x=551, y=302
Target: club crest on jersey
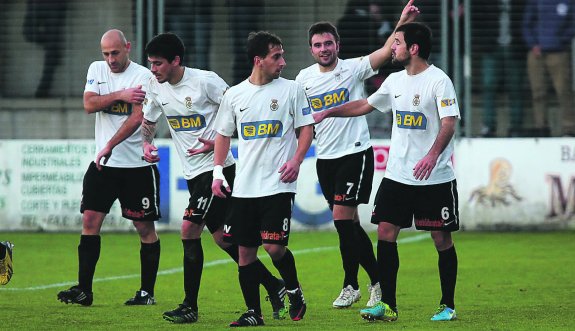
x=337, y=77
x=416, y=100
x=188, y=102
x=274, y=105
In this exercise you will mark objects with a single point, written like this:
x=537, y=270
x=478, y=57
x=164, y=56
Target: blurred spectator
x=191, y=20
x=244, y=17
x=43, y=25
x=499, y=41
x=548, y=28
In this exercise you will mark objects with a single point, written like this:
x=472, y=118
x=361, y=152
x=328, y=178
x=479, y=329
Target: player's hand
x=150, y=153
x=208, y=146
x=134, y=95
x=319, y=116
x=289, y=171
x=103, y=156
x=219, y=182
x=424, y=167
x=409, y=13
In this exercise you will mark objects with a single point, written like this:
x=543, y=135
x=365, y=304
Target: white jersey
x=418, y=102
x=265, y=117
x=100, y=80
x=338, y=136
x=190, y=107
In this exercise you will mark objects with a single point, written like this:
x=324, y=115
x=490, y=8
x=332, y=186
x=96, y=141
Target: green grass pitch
x=506, y=281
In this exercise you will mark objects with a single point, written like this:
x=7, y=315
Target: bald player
x=114, y=93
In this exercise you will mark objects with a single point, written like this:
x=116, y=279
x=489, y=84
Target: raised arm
x=423, y=168
x=349, y=109
x=381, y=56
x=94, y=102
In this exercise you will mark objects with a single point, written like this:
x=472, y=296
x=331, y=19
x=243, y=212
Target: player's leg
x=438, y=212
x=347, y=183
x=275, y=230
x=243, y=227
x=274, y=286
x=99, y=191
x=368, y=262
x=140, y=202
x=193, y=262
x=199, y=211
x=391, y=212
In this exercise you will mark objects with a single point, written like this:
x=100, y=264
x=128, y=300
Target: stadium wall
x=504, y=184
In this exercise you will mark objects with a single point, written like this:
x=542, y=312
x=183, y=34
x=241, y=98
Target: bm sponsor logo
x=262, y=129
x=187, y=123
x=120, y=108
x=411, y=120
x=329, y=99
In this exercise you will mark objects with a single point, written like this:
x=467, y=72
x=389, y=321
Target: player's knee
x=146, y=230
x=191, y=230
x=275, y=251
x=441, y=240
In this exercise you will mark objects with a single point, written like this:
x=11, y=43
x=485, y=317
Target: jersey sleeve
x=151, y=109
x=92, y=79
x=215, y=87
x=362, y=68
x=302, y=116
x=446, y=99
x=225, y=119
x=381, y=99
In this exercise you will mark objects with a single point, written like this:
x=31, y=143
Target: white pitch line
x=206, y=265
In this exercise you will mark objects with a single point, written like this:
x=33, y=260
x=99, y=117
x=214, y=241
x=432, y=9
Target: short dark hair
x=321, y=28
x=417, y=33
x=259, y=44
x=167, y=45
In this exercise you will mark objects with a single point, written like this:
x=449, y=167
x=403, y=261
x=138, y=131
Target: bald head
x=115, y=50
x=114, y=36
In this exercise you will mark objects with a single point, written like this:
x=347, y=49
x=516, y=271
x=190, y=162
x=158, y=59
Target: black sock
x=193, y=266
x=287, y=269
x=349, y=251
x=388, y=263
x=232, y=251
x=88, y=255
x=447, y=264
x=150, y=261
x=250, y=283
x=267, y=279
x=366, y=256
x=269, y=282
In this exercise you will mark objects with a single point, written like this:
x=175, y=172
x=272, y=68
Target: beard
x=400, y=62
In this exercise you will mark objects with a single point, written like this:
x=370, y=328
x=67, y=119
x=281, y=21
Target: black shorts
x=432, y=207
x=347, y=180
x=136, y=188
x=253, y=221
x=203, y=205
